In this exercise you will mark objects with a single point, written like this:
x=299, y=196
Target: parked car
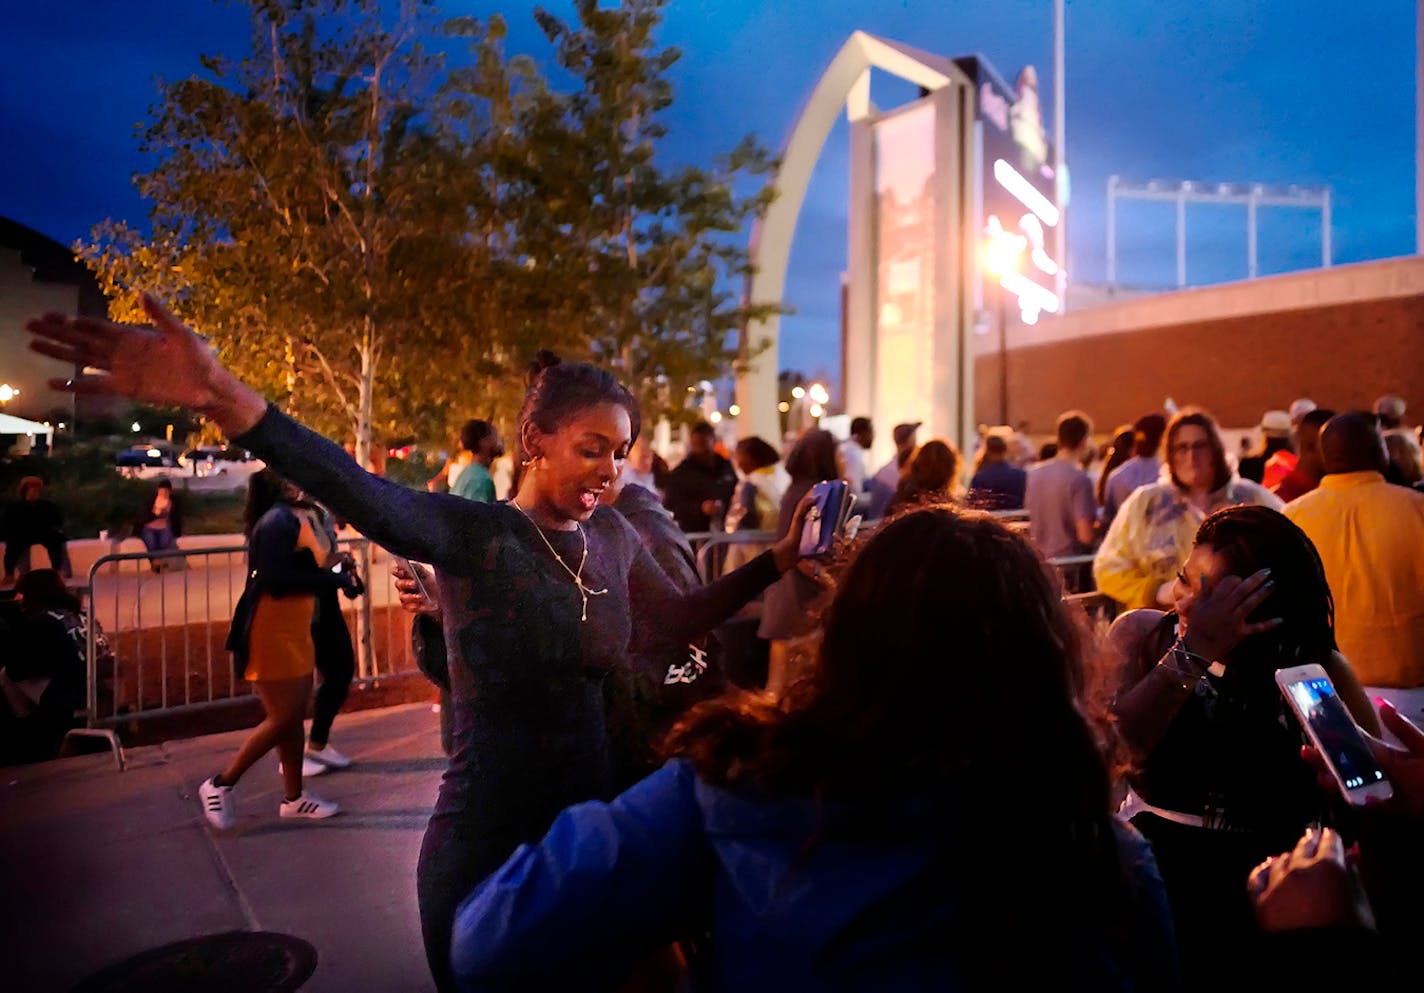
x=138, y=456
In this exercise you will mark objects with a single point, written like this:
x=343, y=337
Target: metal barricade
x=160, y=621
x=711, y=548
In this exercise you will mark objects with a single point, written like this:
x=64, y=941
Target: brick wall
x=1341, y=356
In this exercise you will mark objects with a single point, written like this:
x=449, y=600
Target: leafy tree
x=650, y=260
x=305, y=217
x=382, y=241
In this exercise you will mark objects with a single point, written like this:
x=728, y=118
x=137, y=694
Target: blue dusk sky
x=1312, y=92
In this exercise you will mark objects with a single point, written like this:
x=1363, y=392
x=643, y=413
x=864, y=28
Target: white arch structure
x=846, y=82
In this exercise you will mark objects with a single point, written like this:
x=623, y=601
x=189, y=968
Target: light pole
x=1003, y=357
x=1060, y=153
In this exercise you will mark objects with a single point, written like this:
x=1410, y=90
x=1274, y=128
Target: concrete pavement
x=98, y=865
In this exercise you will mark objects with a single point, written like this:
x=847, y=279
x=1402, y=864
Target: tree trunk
x=363, y=401
x=289, y=358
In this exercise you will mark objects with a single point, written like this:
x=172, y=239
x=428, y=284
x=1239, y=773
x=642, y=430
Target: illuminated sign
x=1004, y=257
x=1019, y=204
x=1022, y=191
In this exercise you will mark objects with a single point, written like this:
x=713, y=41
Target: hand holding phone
x=417, y=591
x=1311, y=886
x=1342, y=745
x=825, y=519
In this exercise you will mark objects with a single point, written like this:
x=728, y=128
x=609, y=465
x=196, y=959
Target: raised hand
x=1214, y=618
x=166, y=365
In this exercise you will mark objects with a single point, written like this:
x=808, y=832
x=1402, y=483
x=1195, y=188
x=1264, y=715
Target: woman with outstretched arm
x=536, y=594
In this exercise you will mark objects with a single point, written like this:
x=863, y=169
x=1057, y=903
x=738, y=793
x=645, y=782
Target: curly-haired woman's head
x=575, y=429
x=944, y=625
x=950, y=672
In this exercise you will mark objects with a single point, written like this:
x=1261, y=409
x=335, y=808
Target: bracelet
x=1184, y=666
x=1182, y=652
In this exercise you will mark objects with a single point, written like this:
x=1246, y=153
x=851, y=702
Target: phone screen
x=1339, y=739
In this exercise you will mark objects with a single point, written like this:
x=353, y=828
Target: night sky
x=1315, y=92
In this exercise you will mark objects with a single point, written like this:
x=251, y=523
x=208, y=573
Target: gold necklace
x=584, y=591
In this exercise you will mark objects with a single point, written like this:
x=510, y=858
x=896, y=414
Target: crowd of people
x=949, y=779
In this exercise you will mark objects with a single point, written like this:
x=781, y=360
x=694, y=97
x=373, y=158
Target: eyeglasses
x=1191, y=447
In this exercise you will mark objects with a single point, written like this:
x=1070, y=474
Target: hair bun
x=545, y=359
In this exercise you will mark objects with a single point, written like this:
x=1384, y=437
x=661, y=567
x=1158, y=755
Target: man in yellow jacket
x=1370, y=535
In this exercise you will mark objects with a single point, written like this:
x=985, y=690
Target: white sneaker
x=218, y=805
x=310, y=767
x=309, y=805
x=328, y=756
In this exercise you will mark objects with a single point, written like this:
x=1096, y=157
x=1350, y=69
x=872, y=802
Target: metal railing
x=168, y=625
x=708, y=543
x=164, y=616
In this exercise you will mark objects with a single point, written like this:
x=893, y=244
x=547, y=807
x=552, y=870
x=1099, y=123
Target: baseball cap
x=1390, y=406
x=1276, y=424
x=904, y=432
x=1300, y=408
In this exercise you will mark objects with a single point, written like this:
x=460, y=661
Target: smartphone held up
x=1311, y=695
x=826, y=519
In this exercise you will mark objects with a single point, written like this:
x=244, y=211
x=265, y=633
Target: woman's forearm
x=430, y=527
x=1145, y=712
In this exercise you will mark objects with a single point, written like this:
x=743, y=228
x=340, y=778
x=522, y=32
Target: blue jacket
x=612, y=881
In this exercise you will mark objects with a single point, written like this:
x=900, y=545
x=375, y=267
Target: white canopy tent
x=18, y=425
x=27, y=431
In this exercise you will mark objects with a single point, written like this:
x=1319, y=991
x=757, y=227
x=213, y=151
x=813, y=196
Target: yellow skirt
x=279, y=645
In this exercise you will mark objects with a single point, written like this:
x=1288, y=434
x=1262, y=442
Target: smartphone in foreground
x=1312, y=696
x=825, y=519
x=417, y=572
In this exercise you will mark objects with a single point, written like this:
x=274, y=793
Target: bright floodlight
x=817, y=410
x=7, y=393
x=784, y=407
x=135, y=425
x=734, y=410
x=819, y=395
x=797, y=392
x=715, y=417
